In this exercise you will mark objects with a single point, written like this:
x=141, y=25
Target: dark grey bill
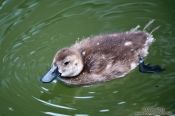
x=51, y=75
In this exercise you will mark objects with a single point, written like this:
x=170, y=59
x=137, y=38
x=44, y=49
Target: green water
x=31, y=31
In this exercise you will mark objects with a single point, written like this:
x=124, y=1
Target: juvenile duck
x=101, y=58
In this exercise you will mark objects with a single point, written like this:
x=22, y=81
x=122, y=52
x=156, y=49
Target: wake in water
x=142, y=66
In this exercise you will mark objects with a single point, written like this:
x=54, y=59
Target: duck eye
x=66, y=63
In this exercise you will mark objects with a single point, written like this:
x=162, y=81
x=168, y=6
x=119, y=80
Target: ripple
x=25, y=55
x=16, y=16
x=55, y=114
x=45, y=89
x=81, y=115
x=17, y=45
x=122, y=102
x=94, y=3
x=104, y=110
x=84, y=97
x=11, y=109
x=115, y=92
x=3, y=4
x=133, y=4
x=118, y=8
x=54, y=105
x=91, y=92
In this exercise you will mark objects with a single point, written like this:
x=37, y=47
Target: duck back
x=109, y=56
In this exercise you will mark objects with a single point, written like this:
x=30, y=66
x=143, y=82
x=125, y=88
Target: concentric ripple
x=32, y=31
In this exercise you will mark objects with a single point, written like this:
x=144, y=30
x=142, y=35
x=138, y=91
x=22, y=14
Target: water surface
x=32, y=31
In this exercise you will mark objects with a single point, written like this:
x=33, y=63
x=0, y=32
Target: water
x=32, y=31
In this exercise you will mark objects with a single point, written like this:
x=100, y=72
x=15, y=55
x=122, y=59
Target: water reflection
x=55, y=114
x=83, y=97
x=104, y=110
x=54, y=105
x=31, y=32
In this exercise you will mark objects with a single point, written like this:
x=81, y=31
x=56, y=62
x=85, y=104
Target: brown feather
x=108, y=56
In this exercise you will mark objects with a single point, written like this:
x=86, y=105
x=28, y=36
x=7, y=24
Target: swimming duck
x=101, y=58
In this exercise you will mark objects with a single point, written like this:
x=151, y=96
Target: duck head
x=67, y=62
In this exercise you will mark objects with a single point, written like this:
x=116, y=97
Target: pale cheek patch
x=128, y=43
